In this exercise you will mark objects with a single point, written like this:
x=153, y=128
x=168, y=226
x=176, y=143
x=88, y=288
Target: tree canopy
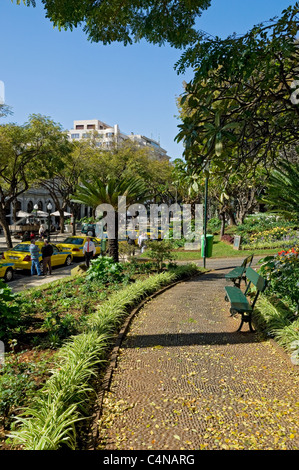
x=238, y=107
x=27, y=153
x=128, y=21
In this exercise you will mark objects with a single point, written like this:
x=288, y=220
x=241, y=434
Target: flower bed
x=51, y=420
x=282, y=273
x=277, y=309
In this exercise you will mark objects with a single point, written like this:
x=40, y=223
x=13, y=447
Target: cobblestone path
x=186, y=380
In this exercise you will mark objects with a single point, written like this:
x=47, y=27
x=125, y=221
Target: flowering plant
x=282, y=272
x=276, y=233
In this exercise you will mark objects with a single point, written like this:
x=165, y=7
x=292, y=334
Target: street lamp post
x=49, y=208
x=35, y=209
x=205, y=214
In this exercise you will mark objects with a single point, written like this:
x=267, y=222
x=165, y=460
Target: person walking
x=89, y=251
x=34, y=253
x=41, y=231
x=47, y=252
x=142, y=241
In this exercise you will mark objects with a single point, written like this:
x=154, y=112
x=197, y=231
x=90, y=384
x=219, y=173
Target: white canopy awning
x=57, y=214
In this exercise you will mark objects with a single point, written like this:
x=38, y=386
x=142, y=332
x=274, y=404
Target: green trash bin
x=103, y=245
x=209, y=242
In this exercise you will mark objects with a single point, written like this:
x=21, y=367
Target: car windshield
x=73, y=241
x=21, y=248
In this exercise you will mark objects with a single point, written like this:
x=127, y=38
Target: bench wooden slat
x=237, y=299
x=235, y=273
x=257, y=280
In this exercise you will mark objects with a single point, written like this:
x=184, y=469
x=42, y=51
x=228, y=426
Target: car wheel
x=68, y=260
x=9, y=275
x=90, y=233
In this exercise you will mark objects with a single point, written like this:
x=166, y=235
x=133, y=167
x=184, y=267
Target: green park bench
x=238, y=273
x=240, y=303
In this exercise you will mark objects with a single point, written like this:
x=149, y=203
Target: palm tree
x=283, y=189
x=96, y=192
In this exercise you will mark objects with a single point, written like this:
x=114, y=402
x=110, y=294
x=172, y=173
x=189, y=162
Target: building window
x=75, y=136
x=91, y=126
x=30, y=206
x=79, y=126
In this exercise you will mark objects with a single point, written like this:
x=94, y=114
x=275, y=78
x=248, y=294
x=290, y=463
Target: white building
x=107, y=136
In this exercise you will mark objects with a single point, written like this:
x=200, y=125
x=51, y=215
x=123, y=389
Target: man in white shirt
x=142, y=241
x=89, y=251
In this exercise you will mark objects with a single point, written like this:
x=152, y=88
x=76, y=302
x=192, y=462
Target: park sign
x=2, y=97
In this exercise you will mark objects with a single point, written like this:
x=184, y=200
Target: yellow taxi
x=7, y=270
x=20, y=255
x=151, y=235
x=75, y=244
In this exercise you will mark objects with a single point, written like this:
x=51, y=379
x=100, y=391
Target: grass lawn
x=220, y=250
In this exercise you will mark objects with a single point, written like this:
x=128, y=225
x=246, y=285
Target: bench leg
x=241, y=324
x=246, y=319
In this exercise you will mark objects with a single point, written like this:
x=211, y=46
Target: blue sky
x=64, y=76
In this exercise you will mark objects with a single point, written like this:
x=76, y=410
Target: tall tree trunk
x=74, y=210
x=5, y=226
x=222, y=218
x=232, y=219
x=61, y=220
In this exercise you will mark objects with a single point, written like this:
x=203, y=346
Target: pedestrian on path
x=142, y=241
x=89, y=251
x=47, y=252
x=34, y=253
x=41, y=231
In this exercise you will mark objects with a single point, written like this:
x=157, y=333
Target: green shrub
x=277, y=320
x=10, y=311
x=282, y=273
x=159, y=251
x=214, y=225
x=263, y=245
x=50, y=421
x=59, y=327
x=15, y=386
x=258, y=224
x=105, y=270
x=273, y=235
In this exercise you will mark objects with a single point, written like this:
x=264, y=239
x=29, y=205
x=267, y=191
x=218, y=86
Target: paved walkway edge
x=112, y=361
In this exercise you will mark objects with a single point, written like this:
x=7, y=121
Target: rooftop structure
x=107, y=136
